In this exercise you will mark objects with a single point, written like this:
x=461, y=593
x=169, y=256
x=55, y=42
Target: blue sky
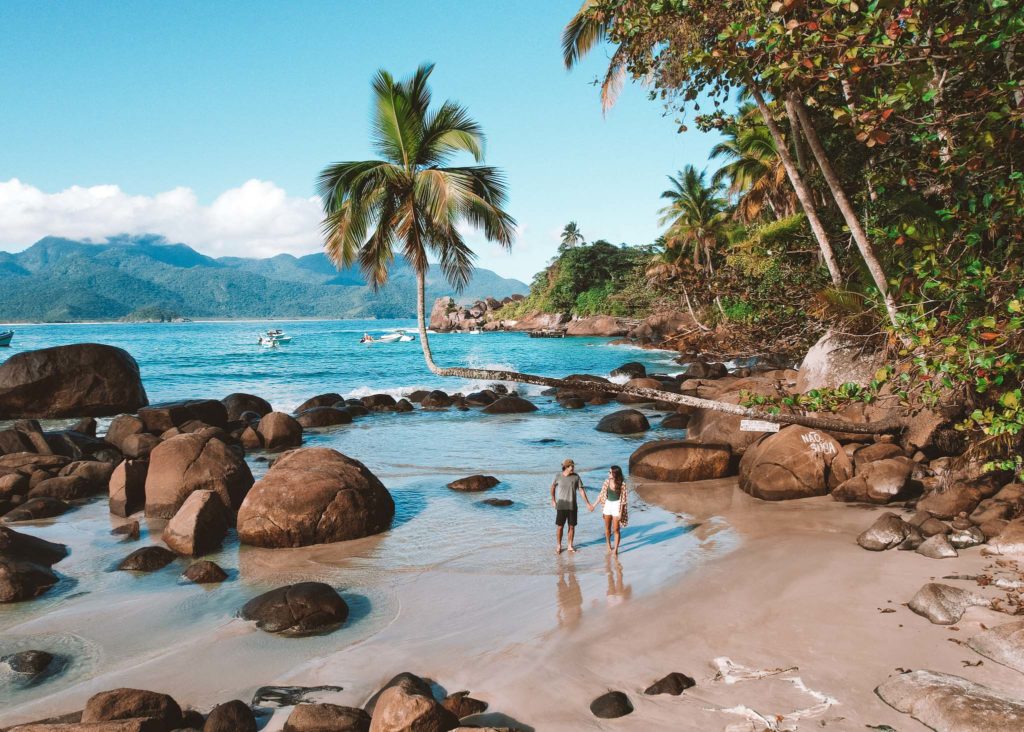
x=209, y=121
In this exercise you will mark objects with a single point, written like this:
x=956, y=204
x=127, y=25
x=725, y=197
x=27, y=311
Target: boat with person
x=5, y=337
x=274, y=338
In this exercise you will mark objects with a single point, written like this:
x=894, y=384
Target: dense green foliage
x=58, y=280
x=913, y=113
x=588, y=279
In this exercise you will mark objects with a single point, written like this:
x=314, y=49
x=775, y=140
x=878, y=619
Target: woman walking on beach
x=614, y=497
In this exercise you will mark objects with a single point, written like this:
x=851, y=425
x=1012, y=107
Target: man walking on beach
x=563, y=498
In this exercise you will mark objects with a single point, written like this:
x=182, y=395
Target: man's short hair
x=568, y=463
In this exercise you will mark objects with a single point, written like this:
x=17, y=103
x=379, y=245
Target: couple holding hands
x=613, y=497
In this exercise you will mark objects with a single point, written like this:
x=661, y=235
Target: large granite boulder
x=657, y=328
x=439, y=314
x=1009, y=542
x=81, y=380
x=158, y=418
x=127, y=487
x=402, y=707
x=836, y=360
x=887, y=532
x=239, y=403
x=879, y=481
x=624, y=422
x=639, y=383
x=279, y=431
x=36, y=508
x=948, y=703
x=301, y=609
x=66, y=488
x=199, y=526
x=121, y=427
x=680, y=461
x=795, y=462
x=191, y=462
x=320, y=400
x=118, y=704
x=326, y=718
x=314, y=496
x=604, y=326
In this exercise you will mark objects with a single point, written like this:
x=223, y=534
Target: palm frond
x=582, y=33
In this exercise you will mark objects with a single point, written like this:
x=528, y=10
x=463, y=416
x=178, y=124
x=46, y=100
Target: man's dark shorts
x=565, y=514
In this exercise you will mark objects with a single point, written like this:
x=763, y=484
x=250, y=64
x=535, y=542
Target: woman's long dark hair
x=617, y=476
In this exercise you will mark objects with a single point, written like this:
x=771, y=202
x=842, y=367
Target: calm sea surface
x=115, y=627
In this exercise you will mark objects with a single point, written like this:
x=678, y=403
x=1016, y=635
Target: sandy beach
x=781, y=590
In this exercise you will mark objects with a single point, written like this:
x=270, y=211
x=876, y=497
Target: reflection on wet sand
x=618, y=591
x=570, y=597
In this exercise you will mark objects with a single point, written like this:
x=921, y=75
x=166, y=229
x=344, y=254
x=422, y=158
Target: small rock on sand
x=1003, y=644
x=323, y=717
x=461, y=704
x=612, y=705
x=943, y=604
x=888, y=531
x=937, y=546
x=950, y=703
x=675, y=684
x=204, y=572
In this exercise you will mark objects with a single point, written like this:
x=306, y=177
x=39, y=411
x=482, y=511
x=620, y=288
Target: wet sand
x=768, y=586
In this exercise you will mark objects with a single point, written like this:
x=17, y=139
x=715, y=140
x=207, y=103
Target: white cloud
x=256, y=219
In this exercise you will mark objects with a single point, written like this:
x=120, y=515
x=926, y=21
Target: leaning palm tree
x=695, y=215
x=571, y=236
x=410, y=199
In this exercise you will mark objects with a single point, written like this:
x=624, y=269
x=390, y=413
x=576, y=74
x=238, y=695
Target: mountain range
x=139, y=277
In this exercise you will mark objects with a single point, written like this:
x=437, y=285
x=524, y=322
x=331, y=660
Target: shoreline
x=794, y=593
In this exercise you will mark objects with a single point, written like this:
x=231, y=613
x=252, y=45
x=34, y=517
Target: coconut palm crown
x=695, y=214
x=411, y=199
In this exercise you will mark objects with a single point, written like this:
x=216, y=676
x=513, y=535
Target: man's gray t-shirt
x=565, y=491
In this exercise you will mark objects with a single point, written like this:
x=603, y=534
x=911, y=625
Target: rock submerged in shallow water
x=323, y=417
x=944, y=604
x=474, y=483
x=510, y=405
x=304, y=608
x=950, y=703
x=633, y=370
x=497, y=502
x=612, y=705
x=22, y=580
x=29, y=663
x=239, y=403
x=326, y=717
x=126, y=704
x=680, y=461
x=624, y=422
x=204, y=572
x=15, y=545
x=147, y=559
x=80, y=380
x=314, y=495
x=888, y=531
x=675, y=684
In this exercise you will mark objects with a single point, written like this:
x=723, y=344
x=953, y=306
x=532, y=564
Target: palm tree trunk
x=800, y=187
x=794, y=130
x=867, y=251
x=655, y=395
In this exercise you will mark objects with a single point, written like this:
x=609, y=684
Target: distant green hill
x=63, y=280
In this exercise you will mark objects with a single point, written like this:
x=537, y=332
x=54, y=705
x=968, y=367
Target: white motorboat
x=274, y=337
x=5, y=337
x=269, y=342
x=399, y=336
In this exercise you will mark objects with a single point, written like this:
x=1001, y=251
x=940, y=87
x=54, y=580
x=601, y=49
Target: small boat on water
x=5, y=337
x=399, y=336
x=274, y=338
